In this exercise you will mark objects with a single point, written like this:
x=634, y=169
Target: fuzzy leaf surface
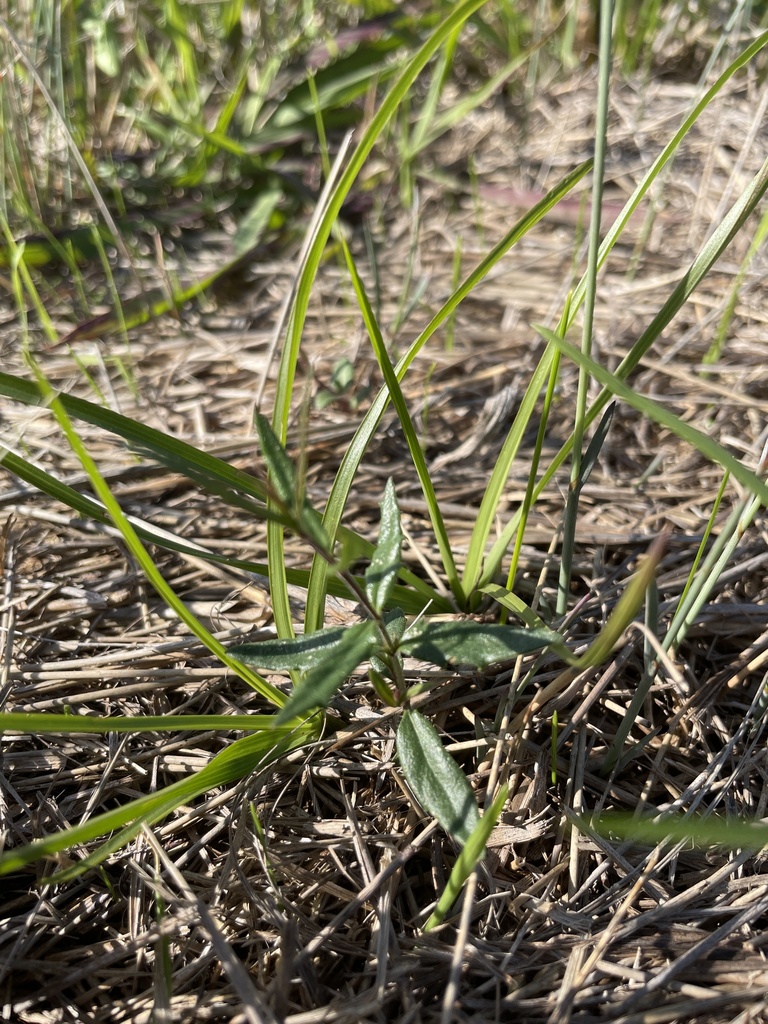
x=316, y=688
x=479, y=644
x=302, y=652
x=282, y=476
x=436, y=780
x=381, y=574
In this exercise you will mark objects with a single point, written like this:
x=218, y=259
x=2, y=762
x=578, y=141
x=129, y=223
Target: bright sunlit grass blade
x=235, y=762
x=412, y=439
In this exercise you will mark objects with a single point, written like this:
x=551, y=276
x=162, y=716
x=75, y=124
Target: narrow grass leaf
x=595, y=445
x=336, y=502
x=411, y=599
x=237, y=761
x=436, y=780
x=471, y=854
x=356, y=450
x=39, y=723
x=627, y=607
x=730, y=833
x=509, y=600
x=721, y=238
x=255, y=221
x=414, y=444
x=660, y=414
x=140, y=553
x=316, y=687
x=479, y=644
x=381, y=574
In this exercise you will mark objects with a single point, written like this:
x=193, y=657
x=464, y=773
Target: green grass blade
x=237, y=761
x=571, y=513
x=663, y=158
x=730, y=833
x=141, y=554
x=702, y=264
x=711, y=569
x=289, y=360
x=471, y=854
x=660, y=414
x=414, y=445
x=353, y=456
x=411, y=599
x=488, y=511
x=42, y=723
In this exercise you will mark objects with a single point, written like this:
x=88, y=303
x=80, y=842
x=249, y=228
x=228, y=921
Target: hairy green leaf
x=282, y=476
x=382, y=573
x=436, y=780
x=316, y=688
x=479, y=644
x=303, y=652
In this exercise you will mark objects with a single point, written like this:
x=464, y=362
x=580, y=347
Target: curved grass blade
x=414, y=446
x=654, y=411
x=288, y=362
x=721, y=238
x=238, y=760
x=411, y=599
x=141, y=554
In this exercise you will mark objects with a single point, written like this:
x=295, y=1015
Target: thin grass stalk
x=590, y=297
x=527, y=505
x=706, y=258
x=711, y=569
x=692, y=574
